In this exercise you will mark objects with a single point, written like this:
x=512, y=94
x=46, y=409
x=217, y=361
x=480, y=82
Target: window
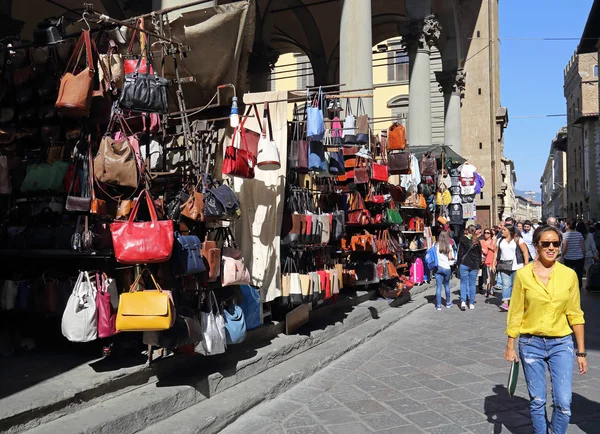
x=305, y=72
x=399, y=106
x=479, y=91
x=480, y=145
x=478, y=34
x=397, y=62
x=596, y=71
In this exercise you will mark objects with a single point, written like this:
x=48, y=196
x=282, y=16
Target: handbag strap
x=348, y=108
x=360, y=108
x=139, y=23
x=150, y=204
x=268, y=120
x=82, y=44
x=136, y=282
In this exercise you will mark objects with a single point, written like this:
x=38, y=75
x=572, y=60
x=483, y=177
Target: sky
x=531, y=77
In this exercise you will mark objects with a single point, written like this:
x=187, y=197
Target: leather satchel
x=358, y=214
x=142, y=310
x=145, y=92
x=427, y=164
x=131, y=60
x=396, y=137
x=186, y=256
x=193, y=208
x=220, y=203
x=142, y=242
x=364, y=242
x=115, y=163
x=75, y=92
x=212, y=255
x=399, y=163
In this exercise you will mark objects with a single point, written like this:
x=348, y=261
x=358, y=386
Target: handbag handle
x=151, y=208
x=139, y=23
x=348, y=108
x=267, y=119
x=83, y=39
x=136, y=282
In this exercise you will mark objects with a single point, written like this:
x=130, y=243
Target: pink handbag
x=234, y=271
x=417, y=271
x=107, y=316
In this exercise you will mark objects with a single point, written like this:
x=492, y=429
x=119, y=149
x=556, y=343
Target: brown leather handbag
x=75, y=92
x=399, y=163
x=212, y=255
x=97, y=206
x=115, y=162
x=427, y=164
x=193, y=208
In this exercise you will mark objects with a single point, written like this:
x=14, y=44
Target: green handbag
x=393, y=216
x=45, y=177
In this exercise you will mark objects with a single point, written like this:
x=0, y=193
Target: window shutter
x=391, y=59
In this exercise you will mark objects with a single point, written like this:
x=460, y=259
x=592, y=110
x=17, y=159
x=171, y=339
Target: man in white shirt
x=527, y=236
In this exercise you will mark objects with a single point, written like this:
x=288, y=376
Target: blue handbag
x=251, y=306
x=235, y=324
x=315, y=123
x=186, y=255
x=316, y=157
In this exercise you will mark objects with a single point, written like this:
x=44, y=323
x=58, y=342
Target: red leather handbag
x=237, y=161
x=379, y=172
x=358, y=214
x=131, y=61
x=142, y=242
x=107, y=316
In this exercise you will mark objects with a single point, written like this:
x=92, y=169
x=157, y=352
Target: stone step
x=188, y=380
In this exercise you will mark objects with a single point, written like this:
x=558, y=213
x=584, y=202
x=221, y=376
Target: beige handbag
x=113, y=63
x=340, y=275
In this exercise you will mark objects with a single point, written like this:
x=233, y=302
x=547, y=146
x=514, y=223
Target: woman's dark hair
x=511, y=230
x=471, y=230
x=571, y=223
x=537, y=234
x=581, y=227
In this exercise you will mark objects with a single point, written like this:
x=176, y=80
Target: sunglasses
x=546, y=244
x=487, y=232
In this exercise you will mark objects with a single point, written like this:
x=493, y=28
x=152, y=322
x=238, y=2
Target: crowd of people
x=486, y=260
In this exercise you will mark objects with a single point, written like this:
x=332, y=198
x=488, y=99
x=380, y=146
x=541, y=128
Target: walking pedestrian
x=445, y=258
x=573, y=249
x=544, y=313
x=591, y=252
x=469, y=260
x=527, y=235
x=520, y=226
x=512, y=255
x=488, y=250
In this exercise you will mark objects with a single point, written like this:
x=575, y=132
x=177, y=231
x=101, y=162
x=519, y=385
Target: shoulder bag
x=379, y=168
x=212, y=256
x=427, y=164
x=362, y=124
x=220, y=203
x=131, y=60
x=396, y=137
x=235, y=324
x=143, y=310
x=80, y=319
x=267, y=157
x=107, y=316
x=234, y=271
x=142, y=242
x=239, y=161
x=186, y=256
x=357, y=214
x=315, y=123
x=212, y=324
x=399, y=163
x=75, y=92
x=113, y=65
x=503, y=265
x=193, y=208
x=349, y=124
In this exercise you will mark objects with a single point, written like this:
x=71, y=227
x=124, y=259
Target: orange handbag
x=396, y=137
x=422, y=201
x=364, y=242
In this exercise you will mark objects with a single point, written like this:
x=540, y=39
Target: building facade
x=527, y=209
x=507, y=187
x=581, y=93
x=553, y=182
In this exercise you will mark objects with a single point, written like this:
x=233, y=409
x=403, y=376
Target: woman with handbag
x=469, y=260
x=544, y=313
x=445, y=258
x=512, y=255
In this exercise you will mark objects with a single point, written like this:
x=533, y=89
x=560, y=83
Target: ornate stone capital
x=452, y=82
x=425, y=32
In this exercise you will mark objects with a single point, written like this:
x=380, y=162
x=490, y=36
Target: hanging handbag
x=145, y=92
x=293, y=151
x=130, y=62
x=220, y=203
x=234, y=272
x=336, y=162
x=396, y=138
x=145, y=310
x=82, y=166
x=379, y=167
x=361, y=171
x=316, y=157
x=364, y=242
x=212, y=324
x=362, y=124
x=399, y=163
x=75, y=92
x=315, y=123
x=113, y=65
x=349, y=124
x=238, y=161
x=427, y=164
x=357, y=214
x=116, y=163
x=267, y=157
x=251, y=306
x=193, y=208
x=212, y=257
x=80, y=318
x=235, y=324
x=107, y=316
x=186, y=256
x=366, y=273
x=337, y=132
x=45, y=177
x=142, y=242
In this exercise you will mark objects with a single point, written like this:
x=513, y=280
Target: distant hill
x=537, y=198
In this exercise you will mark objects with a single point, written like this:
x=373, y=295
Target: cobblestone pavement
x=439, y=372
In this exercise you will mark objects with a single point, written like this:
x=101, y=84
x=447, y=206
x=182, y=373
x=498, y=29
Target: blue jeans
x=442, y=275
x=508, y=278
x=468, y=283
x=558, y=353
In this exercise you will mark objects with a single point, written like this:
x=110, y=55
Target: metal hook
x=84, y=18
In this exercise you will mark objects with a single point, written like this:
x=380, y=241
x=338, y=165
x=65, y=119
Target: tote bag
x=212, y=324
x=80, y=319
x=362, y=124
x=268, y=154
x=314, y=116
x=349, y=124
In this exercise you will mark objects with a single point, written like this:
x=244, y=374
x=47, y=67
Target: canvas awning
x=437, y=150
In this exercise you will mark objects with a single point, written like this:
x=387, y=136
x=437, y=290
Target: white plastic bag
x=214, y=339
x=80, y=318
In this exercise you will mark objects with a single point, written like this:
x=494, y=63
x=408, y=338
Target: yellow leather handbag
x=145, y=310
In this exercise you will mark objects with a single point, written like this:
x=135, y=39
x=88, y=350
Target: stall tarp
x=437, y=151
x=221, y=39
x=261, y=202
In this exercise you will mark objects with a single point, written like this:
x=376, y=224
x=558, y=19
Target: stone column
x=356, y=48
x=423, y=35
x=452, y=85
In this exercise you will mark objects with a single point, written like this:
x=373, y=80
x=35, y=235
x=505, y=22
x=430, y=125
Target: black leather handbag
x=143, y=92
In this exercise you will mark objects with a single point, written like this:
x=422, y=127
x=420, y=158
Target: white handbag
x=80, y=318
x=268, y=154
x=156, y=155
x=212, y=324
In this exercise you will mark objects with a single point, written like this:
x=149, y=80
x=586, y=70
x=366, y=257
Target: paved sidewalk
x=434, y=372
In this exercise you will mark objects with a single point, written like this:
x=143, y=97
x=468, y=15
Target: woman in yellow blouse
x=544, y=312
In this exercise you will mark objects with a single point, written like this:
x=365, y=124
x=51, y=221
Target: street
x=439, y=372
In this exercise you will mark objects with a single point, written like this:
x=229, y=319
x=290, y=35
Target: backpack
x=417, y=271
x=431, y=259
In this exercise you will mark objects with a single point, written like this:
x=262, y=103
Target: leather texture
x=186, y=256
x=115, y=163
x=212, y=256
x=427, y=164
x=396, y=137
x=234, y=271
x=45, y=177
x=267, y=157
x=238, y=161
x=107, y=316
x=399, y=163
x=235, y=325
x=80, y=321
x=193, y=208
x=145, y=93
x=220, y=203
x=142, y=242
x=75, y=91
